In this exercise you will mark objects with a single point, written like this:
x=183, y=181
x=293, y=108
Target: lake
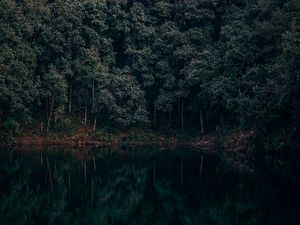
x=146, y=186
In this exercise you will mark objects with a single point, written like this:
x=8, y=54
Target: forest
x=208, y=65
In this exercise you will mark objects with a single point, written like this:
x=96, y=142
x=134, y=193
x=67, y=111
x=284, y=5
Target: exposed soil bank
x=239, y=141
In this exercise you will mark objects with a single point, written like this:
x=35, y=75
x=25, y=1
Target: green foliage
x=125, y=63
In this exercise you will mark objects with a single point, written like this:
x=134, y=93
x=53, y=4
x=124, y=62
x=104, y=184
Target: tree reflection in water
x=143, y=187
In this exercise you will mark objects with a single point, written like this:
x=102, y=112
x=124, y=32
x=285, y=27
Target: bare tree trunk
x=50, y=113
x=47, y=105
x=70, y=99
x=85, y=110
x=93, y=95
x=95, y=123
x=201, y=122
x=85, y=114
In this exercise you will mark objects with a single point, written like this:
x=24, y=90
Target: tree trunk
x=95, y=123
x=47, y=105
x=201, y=122
x=42, y=127
x=93, y=95
x=70, y=99
x=85, y=110
x=50, y=114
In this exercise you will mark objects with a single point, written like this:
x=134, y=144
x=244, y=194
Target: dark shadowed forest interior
x=208, y=65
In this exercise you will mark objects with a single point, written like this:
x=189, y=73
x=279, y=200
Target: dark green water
x=146, y=186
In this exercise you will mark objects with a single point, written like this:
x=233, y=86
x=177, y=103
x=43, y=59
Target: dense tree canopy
x=204, y=64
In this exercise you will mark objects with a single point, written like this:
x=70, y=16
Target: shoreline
x=238, y=141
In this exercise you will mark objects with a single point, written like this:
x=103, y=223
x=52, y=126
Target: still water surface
x=146, y=186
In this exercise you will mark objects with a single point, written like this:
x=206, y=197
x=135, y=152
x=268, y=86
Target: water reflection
x=145, y=186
